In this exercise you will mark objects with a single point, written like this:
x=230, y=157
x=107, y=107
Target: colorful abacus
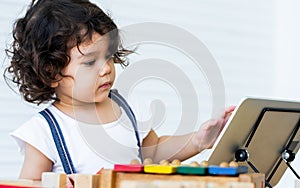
x=175, y=167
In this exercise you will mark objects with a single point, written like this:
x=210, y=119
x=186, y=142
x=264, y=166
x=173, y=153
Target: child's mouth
x=105, y=86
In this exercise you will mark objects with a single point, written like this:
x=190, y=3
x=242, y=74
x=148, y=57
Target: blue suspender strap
x=114, y=95
x=59, y=142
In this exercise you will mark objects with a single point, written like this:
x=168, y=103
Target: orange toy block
x=86, y=180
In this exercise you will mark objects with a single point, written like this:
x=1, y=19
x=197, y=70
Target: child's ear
x=54, y=84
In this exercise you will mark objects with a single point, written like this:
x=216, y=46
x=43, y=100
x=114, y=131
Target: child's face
x=91, y=73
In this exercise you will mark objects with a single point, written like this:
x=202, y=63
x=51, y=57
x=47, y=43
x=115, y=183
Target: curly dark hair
x=43, y=39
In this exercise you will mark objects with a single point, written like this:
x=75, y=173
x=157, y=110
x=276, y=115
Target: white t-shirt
x=91, y=146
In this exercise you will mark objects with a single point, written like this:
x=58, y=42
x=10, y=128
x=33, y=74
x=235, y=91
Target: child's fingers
x=230, y=109
x=227, y=112
x=70, y=181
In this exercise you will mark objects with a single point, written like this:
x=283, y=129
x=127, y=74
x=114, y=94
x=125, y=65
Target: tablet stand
x=288, y=156
x=242, y=154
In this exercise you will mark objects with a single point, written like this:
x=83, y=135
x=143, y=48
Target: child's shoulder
x=37, y=121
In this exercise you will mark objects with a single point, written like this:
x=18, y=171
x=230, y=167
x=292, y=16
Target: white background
x=255, y=43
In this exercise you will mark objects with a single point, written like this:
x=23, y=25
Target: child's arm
x=184, y=146
x=35, y=163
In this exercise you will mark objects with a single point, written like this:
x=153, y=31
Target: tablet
x=265, y=128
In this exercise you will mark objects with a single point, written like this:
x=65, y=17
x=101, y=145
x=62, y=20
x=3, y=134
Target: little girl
x=63, y=54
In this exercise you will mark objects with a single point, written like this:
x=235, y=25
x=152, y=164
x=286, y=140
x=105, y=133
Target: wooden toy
x=135, y=161
x=224, y=164
x=164, y=163
x=183, y=184
x=227, y=171
x=204, y=163
x=162, y=184
x=19, y=183
x=148, y=161
x=233, y=164
x=129, y=168
x=195, y=170
x=148, y=175
x=86, y=180
x=112, y=179
x=134, y=166
x=59, y=180
x=160, y=169
x=164, y=167
x=122, y=180
x=194, y=163
x=55, y=180
x=176, y=162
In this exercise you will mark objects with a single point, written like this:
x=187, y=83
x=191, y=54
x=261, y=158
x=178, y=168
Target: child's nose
x=104, y=69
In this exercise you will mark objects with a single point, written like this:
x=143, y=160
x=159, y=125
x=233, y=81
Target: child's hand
x=70, y=181
x=210, y=130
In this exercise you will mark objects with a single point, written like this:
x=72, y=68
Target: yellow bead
x=204, y=163
x=233, y=164
x=148, y=161
x=224, y=164
x=176, y=162
x=134, y=161
x=194, y=163
x=164, y=163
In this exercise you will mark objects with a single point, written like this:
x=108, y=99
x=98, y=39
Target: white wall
x=253, y=42
x=287, y=48
x=287, y=62
x=12, y=110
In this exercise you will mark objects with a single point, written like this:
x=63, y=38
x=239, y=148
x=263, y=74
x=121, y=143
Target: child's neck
x=93, y=113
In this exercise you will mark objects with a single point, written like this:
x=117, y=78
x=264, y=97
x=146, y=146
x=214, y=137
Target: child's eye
x=90, y=63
